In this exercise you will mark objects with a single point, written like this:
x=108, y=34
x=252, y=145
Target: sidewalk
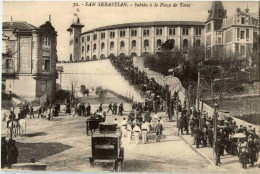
x=229, y=162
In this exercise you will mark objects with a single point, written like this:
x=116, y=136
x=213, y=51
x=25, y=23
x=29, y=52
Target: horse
x=19, y=127
x=22, y=126
x=14, y=130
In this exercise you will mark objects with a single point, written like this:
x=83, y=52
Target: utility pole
x=216, y=106
x=12, y=125
x=198, y=97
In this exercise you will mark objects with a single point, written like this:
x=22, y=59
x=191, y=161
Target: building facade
x=29, y=59
x=229, y=36
x=221, y=36
x=134, y=39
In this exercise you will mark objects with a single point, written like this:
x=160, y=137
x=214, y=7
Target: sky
x=37, y=13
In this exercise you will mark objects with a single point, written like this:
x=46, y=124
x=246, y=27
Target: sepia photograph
x=130, y=86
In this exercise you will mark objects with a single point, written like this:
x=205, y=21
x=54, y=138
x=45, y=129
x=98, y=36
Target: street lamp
x=216, y=107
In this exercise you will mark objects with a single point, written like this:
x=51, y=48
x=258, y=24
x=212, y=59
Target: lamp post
x=216, y=106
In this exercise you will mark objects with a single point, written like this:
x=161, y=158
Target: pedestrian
x=3, y=152
x=114, y=109
x=137, y=131
x=40, y=112
x=210, y=136
x=31, y=112
x=180, y=126
x=88, y=109
x=110, y=108
x=100, y=109
x=129, y=131
x=68, y=110
x=123, y=125
x=120, y=109
x=145, y=129
x=192, y=126
x=158, y=130
x=243, y=156
x=12, y=154
x=251, y=150
x=197, y=136
x=217, y=151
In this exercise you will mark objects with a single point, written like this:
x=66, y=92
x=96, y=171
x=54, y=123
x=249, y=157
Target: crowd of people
x=9, y=152
x=226, y=137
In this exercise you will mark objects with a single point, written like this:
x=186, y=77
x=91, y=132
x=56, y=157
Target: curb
x=206, y=159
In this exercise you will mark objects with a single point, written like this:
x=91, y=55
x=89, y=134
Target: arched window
x=87, y=48
x=94, y=57
x=173, y=43
x=102, y=45
x=133, y=43
x=159, y=43
x=112, y=45
x=197, y=43
x=185, y=44
x=122, y=44
x=146, y=43
x=94, y=47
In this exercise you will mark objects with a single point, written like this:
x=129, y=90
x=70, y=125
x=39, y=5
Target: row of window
x=146, y=32
x=133, y=44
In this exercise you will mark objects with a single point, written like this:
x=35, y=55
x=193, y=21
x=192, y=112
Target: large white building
x=219, y=34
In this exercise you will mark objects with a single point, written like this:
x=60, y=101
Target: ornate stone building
x=29, y=59
x=231, y=35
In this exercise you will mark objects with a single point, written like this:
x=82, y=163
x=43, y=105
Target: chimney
x=50, y=18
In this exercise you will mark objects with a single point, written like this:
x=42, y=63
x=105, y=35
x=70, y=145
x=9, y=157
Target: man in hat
x=110, y=107
x=192, y=126
x=129, y=130
x=137, y=131
x=218, y=151
x=120, y=109
x=100, y=109
x=180, y=126
x=3, y=152
x=158, y=130
x=88, y=109
x=197, y=136
x=251, y=150
x=210, y=136
x=12, y=153
x=31, y=112
x=145, y=129
x=123, y=125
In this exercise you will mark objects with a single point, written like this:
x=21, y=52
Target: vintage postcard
x=117, y=86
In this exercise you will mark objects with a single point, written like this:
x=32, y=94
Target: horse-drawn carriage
x=92, y=123
x=106, y=145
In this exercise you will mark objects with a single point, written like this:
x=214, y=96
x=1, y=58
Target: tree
x=83, y=89
x=62, y=95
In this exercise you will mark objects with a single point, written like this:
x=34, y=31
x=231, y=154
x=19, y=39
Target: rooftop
x=17, y=25
x=147, y=24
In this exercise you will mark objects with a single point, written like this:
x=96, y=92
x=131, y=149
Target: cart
x=92, y=123
x=106, y=145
